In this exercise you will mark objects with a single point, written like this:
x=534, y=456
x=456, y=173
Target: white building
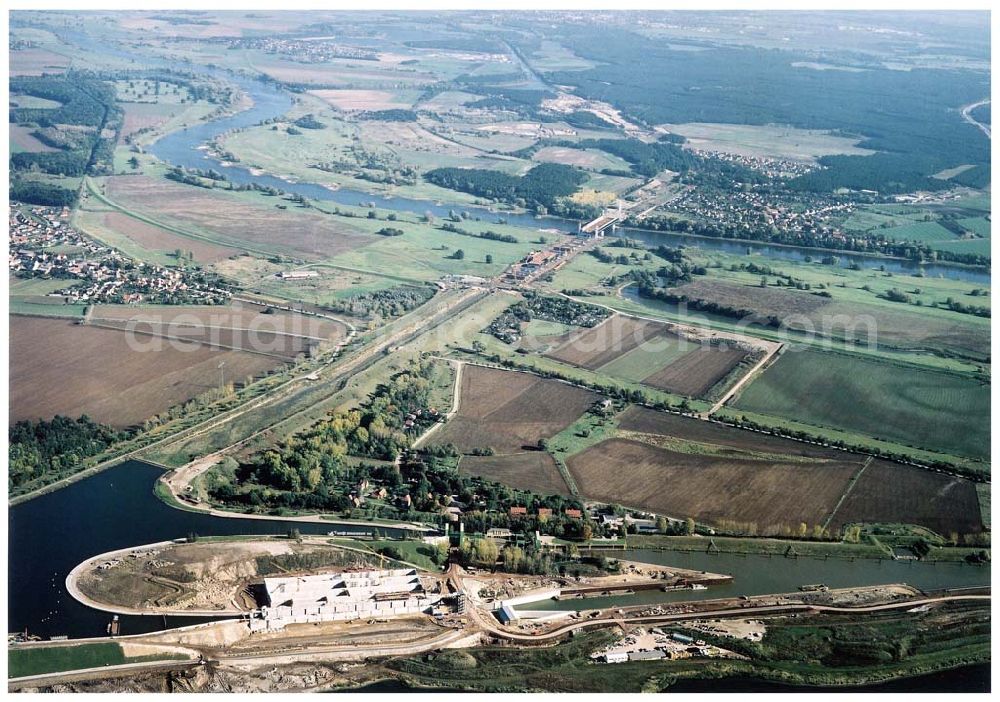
x=341, y=596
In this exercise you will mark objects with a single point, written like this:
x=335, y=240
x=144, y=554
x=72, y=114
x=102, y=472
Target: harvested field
x=709, y=487
x=508, y=411
x=588, y=159
x=898, y=328
x=889, y=492
x=594, y=347
x=60, y=367
x=647, y=421
x=234, y=219
x=282, y=346
x=151, y=237
x=236, y=314
x=531, y=470
x=22, y=139
x=908, y=405
x=142, y=115
x=349, y=100
x=35, y=62
x=697, y=372
x=762, y=301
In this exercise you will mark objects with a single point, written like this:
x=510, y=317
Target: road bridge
x=608, y=219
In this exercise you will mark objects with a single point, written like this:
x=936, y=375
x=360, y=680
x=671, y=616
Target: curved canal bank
x=52, y=534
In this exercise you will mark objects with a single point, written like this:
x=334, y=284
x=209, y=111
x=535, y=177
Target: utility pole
x=222, y=375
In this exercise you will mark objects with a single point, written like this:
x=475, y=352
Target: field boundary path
x=750, y=375
x=456, y=402
x=847, y=491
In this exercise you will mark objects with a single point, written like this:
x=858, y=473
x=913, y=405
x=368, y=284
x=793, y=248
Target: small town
x=44, y=245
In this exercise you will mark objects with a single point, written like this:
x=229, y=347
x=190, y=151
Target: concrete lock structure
x=341, y=596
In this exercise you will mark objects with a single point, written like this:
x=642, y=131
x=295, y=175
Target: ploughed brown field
x=531, y=470
x=697, y=372
x=234, y=219
x=615, y=336
x=712, y=472
x=510, y=411
x=60, y=367
x=889, y=492
x=711, y=488
x=647, y=421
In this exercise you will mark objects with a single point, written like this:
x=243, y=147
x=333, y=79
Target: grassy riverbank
x=38, y=660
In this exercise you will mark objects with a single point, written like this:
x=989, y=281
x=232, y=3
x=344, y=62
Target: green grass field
x=928, y=232
x=646, y=359
x=977, y=225
x=53, y=659
x=966, y=246
x=936, y=411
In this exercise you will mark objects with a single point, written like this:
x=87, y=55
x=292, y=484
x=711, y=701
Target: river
x=51, y=534
x=181, y=149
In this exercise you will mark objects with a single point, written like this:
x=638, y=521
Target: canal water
x=50, y=535
x=762, y=575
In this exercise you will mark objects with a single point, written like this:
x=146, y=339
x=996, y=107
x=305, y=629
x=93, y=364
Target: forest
x=768, y=89
x=539, y=187
x=84, y=126
x=51, y=446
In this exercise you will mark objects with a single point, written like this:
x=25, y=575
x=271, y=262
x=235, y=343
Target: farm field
x=358, y=100
x=531, y=470
x=510, y=411
x=710, y=488
x=926, y=232
x=942, y=503
x=145, y=241
x=588, y=159
x=234, y=220
x=938, y=411
x=35, y=62
x=650, y=353
x=977, y=225
x=979, y=247
x=891, y=325
x=682, y=467
x=60, y=367
x=769, y=141
x=617, y=335
x=695, y=373
x=236, y=314
x=22, y=139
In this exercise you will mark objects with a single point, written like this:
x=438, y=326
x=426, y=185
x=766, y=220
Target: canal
x=762, y=575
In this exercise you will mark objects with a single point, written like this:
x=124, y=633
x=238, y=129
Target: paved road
x=967, y=116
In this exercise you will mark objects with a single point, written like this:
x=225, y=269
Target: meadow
x=37, y=660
